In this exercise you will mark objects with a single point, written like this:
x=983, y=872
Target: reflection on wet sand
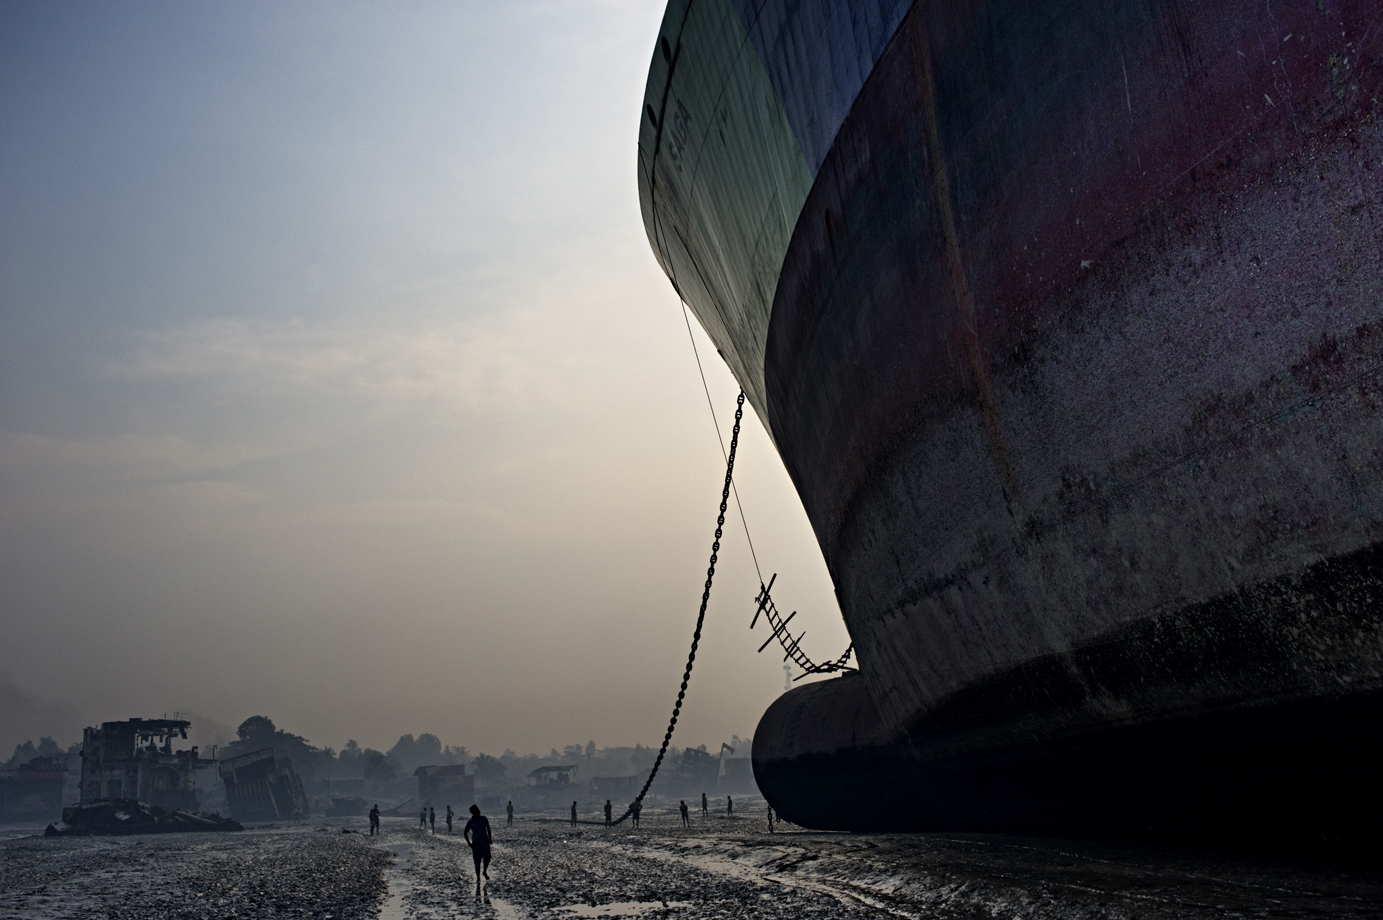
x=544, y=868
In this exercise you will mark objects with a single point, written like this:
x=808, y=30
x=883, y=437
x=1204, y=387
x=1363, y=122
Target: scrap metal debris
x=114, y=817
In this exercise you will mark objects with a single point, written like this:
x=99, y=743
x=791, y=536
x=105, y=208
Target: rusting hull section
x=1074, y=358
x=1076, y=346
x=1020, y=751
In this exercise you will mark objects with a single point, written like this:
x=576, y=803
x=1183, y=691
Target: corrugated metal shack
x=553, y=776
x=444, y=784
x=616, y=787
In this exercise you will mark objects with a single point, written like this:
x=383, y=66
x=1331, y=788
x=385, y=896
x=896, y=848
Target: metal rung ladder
x=791, y=646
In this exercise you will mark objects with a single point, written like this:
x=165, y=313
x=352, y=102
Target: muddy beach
x=544, y=868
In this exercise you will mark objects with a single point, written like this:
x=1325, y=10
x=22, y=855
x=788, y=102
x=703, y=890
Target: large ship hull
x=1067, y=321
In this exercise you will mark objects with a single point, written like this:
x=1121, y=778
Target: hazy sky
x=338, y=384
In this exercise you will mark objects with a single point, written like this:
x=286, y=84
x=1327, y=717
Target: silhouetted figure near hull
x=478, y=835
x=686, y=814
x=374, y=821
x=705, y=809
x=634, y=808
x=573, y=814
x=432, y=819
x=608, y=811
x=729, y=806
x=449, y=817
x=510, y=810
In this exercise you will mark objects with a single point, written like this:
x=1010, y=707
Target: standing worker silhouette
x=686, y=813
x=477, y=834
x=573, y=814
x=704, y=809
x=374, y=820
x=422, y=819
x=510, y=808
x=608, y=810
x=634, y=808
x=729, y=806
x=432, y=819
x=449, y=817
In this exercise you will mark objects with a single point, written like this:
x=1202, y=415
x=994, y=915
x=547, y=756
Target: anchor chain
x=705, y=598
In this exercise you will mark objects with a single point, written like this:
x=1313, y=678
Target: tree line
x=379, y=768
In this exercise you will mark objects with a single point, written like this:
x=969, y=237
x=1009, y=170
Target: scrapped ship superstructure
x=263, y=786
x=136, y=760
x=1066, y=319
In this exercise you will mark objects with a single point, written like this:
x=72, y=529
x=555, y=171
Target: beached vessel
x=1066, y=319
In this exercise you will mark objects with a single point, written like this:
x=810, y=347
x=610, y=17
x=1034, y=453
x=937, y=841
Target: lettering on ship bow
x=680, y=134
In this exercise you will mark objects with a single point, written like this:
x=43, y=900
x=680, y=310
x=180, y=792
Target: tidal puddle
x=622, y=908
x=504, y=910
x=399, y=885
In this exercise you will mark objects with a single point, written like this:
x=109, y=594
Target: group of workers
x=477, y=833
x=427, y=818
x=706, y=810
x=636, y=809
x=479, y=836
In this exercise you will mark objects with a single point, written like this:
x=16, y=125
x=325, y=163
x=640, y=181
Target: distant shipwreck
x=262, y=786
x=133, y=781
x=136, y=760
x=32, y=790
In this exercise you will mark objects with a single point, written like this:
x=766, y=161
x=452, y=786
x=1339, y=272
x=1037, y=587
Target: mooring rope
x=701, y=615
x=696, y=353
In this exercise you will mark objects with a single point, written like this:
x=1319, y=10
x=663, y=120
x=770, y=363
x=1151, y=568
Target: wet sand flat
x=719, y=867
x=297, y=872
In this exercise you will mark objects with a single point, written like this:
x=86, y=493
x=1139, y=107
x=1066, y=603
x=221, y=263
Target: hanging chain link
x=705, y=599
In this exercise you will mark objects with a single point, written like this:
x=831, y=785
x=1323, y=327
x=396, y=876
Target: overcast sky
x=338, y=384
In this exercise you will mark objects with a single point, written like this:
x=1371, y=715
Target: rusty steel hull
x=1073, y=355
x=1018, y=751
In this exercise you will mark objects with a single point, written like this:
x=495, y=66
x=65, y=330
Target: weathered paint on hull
x=1074, y=357
x=1016, y=751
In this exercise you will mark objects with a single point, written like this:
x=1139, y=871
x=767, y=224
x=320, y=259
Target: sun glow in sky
x=338, y=384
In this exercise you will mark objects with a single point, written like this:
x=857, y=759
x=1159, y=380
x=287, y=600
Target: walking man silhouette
x=686, y=813
x=478, y=835
x=573, y=814
x=374, y=820
x=510, y=809
x=634, y=808
x=449, y=816
x=608, y=810
x=432, y=819
x=704, y=809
